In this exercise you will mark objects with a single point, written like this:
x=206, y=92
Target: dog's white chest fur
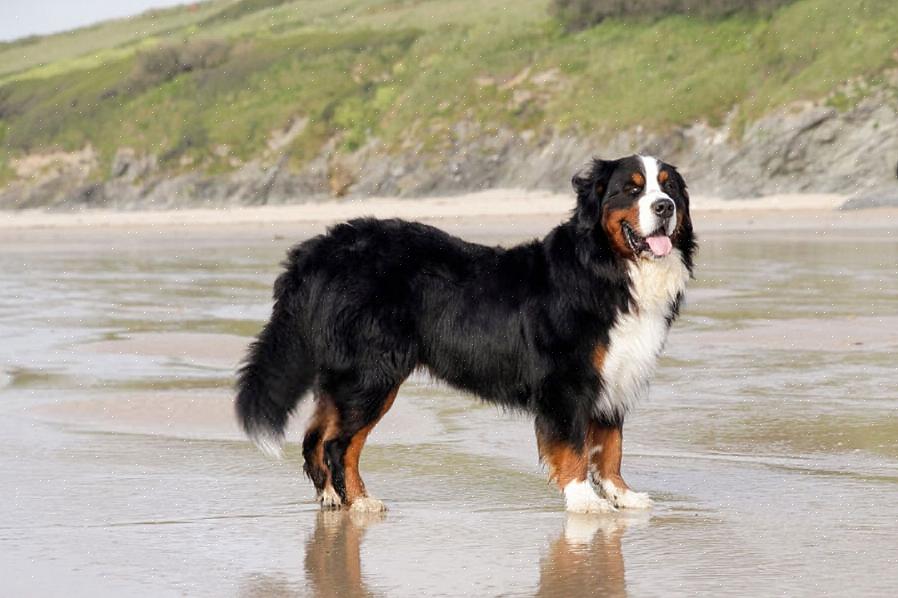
x=637, y=337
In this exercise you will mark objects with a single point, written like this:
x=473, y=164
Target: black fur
x=359, y=308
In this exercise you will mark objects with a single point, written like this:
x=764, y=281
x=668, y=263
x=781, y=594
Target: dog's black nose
x=663, y=208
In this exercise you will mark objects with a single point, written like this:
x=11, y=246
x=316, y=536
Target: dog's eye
x=634, y=190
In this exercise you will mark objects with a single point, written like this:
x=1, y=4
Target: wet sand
x=769, y=442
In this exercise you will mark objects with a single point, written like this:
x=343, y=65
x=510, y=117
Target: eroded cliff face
x=803, y=148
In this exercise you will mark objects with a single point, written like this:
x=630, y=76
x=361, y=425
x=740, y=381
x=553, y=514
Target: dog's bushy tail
x=275, y=375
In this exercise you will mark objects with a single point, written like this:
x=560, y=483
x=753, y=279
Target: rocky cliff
x=804, y=148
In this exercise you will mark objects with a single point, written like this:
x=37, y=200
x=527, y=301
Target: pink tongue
x=660, y=246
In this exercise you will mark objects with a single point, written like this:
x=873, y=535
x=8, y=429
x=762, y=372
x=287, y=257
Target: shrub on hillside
x=580, y=14
x=167, y=61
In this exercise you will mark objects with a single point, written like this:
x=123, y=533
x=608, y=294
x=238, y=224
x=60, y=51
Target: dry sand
x=493, y=206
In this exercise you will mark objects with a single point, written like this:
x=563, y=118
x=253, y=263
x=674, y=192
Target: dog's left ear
x=680, y=185
x=685, y=238
x=591, y=184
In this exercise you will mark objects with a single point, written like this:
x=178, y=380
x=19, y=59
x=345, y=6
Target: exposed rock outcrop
x=803, y=148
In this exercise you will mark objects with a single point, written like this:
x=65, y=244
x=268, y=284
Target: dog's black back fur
x=359, y=308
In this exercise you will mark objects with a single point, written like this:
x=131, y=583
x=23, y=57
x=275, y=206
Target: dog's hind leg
x=605, y=454
x=358, y=417
x=325, y=425
x=569, y=468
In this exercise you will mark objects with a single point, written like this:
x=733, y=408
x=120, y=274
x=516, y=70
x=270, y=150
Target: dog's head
x=640, y=204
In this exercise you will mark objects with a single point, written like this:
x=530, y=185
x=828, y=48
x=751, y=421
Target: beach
x=769, y=441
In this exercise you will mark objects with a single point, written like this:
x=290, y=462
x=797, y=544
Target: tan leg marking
x=606, y=453
x=565, y=464
x=327, y=419
x=569, y=469
x=605, y=443
x=355, y=487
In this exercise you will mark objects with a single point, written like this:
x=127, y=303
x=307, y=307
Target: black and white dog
x=567, y=328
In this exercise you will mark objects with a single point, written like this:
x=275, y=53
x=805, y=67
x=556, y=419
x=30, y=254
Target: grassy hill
x=213, y=85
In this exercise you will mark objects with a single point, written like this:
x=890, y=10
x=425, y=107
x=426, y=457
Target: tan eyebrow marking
x=662, y=176
x=637, y=179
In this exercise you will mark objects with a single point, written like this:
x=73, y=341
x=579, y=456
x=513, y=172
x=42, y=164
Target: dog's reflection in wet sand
x=332, y=564
x=586, y=558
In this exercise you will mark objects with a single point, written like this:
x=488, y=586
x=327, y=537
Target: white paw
x=624, y=498
x=635, y=500
x=366, y=504
x=579, y=497
x=329, y=498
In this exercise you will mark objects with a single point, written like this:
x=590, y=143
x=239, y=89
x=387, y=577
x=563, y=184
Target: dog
x=567, y=328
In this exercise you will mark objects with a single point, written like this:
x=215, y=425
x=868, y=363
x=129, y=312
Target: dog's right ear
x=590, y=184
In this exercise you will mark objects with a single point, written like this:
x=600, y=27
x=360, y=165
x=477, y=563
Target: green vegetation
x=242, y=8
x=210, y=85
x=580, y=14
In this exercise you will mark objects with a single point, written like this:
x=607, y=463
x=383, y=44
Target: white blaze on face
x=648, y=221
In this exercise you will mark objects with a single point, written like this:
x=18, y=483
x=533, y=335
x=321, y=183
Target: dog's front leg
x=606, y=444
x=568, y=469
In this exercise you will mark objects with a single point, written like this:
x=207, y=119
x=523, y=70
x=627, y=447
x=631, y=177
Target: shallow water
x=769, y=443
